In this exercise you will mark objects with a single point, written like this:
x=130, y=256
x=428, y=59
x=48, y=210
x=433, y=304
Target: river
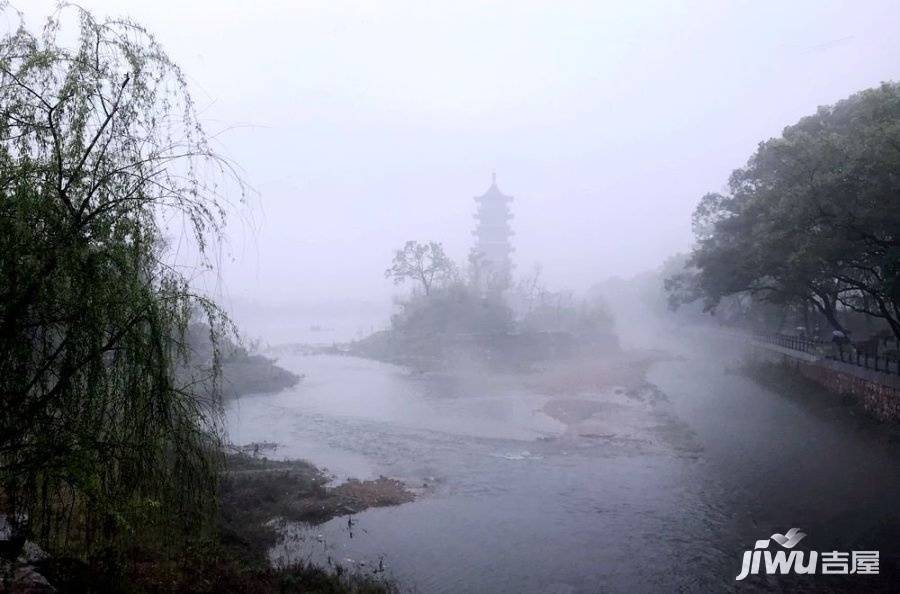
x=664, y=497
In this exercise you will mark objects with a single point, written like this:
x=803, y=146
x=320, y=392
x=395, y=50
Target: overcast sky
x=366, y=124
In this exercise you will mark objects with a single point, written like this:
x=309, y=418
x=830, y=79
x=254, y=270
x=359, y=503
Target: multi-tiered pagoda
x=492, y=232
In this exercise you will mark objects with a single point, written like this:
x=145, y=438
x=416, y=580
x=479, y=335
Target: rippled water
x=513, y=502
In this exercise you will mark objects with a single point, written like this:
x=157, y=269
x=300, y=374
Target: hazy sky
x=366, y=124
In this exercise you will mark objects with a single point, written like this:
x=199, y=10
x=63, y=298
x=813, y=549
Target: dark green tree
x=102, y=157
x=812, y=220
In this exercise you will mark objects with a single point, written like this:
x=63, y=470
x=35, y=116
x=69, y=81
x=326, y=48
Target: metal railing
x=796, y=343
x=859, y=354
x=863, y=358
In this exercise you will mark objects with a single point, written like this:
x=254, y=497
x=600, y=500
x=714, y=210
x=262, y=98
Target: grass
x=233, y=557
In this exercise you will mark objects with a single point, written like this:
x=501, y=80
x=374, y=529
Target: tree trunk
x=828, y=308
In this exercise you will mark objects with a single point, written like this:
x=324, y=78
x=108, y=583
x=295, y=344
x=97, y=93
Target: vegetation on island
x=453, y=319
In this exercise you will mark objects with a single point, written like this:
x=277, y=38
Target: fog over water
x=665, y=494
x=364, y=124
x=488, y=296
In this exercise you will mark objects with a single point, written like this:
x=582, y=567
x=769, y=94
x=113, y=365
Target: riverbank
x=247, y=374
x=877, y=392
x=257, y=497
x=512, y=352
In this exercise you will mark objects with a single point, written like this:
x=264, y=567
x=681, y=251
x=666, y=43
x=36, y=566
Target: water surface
x=665, y=498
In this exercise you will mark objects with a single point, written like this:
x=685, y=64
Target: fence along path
x=877, y=354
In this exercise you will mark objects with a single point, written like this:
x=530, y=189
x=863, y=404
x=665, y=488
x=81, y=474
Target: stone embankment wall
x=878, y=392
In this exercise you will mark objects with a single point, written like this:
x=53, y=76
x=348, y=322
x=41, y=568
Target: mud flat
x=296, y=490
x=626, y=370
x=609, y=399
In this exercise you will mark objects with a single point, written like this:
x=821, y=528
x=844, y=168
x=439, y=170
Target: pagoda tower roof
x=493, y=193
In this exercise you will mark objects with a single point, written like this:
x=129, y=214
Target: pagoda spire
x=492, y=237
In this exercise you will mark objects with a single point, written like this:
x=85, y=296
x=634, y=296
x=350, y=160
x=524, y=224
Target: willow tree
x=102, y=158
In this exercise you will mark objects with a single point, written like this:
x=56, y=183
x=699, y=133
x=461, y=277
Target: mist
x=361, y=126
x=483, y=297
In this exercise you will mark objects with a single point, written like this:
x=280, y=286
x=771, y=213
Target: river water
x=663, y=495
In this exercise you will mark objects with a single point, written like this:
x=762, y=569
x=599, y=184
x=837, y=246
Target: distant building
x=490, y=263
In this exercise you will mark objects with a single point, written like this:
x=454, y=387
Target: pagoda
x=492, y=232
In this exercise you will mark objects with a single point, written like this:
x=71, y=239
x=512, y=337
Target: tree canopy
x=421, y=263
x=102, y=157
x=813, y=219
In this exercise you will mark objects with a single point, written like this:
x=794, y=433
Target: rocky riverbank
x=257, y=496
x=256, y=490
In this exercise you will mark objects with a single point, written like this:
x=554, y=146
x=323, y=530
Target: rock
x=25, y=579
x=31, y=553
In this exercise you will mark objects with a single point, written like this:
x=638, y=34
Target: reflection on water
x=514, y=502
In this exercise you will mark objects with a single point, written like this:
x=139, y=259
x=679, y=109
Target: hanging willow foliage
x=101, y=158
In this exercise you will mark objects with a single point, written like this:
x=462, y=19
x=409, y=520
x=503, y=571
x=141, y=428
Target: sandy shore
x=610, y=399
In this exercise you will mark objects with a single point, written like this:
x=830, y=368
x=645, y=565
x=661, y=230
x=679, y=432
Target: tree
x=478, y=271
x=528, y=290
x=485, y=276
x=423, y=263
x=813, y=219
x=100, y=154
x=452, y=309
